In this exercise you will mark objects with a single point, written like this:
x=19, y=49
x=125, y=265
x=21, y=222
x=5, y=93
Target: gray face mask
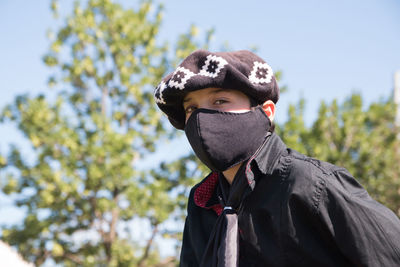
x=222, y=140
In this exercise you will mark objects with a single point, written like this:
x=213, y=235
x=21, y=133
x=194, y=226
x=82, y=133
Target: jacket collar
x=205, y=195
x=268, y=156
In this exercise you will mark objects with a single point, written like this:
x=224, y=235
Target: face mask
x=224, y=139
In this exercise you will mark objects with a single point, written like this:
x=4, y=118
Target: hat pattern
x=237, y=70
x=180, y=77
x=261, y=73
x=212, y=66
x=158, y=93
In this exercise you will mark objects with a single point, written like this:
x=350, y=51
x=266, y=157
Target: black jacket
x=302, y=212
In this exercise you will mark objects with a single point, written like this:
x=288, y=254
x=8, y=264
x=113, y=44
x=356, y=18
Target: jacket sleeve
x=365, y=231
x=188, y=257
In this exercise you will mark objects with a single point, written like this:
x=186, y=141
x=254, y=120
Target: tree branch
x=113, y=226
x=73, y=258
x=141, y=262
x=104, y=95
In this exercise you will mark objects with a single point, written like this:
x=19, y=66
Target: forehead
x=206, y=92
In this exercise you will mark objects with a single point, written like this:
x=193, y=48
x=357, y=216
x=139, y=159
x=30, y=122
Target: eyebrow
x=187, y=99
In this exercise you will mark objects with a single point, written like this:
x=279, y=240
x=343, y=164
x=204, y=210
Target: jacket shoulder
x=311, y=179
x=365, y=231
x=335, y=176
x=312, y=164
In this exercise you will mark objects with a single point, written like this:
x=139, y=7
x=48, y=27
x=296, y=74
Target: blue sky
x=325, y=49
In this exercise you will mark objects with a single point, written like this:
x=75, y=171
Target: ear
x=269, y=109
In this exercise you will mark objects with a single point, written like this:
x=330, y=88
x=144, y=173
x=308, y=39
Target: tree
x=361, y=140
x=85, y=185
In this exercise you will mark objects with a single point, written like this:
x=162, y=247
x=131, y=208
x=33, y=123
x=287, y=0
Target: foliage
x=85, y=185
x=363, y=141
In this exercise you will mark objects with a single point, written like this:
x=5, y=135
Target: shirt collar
x=266, y=157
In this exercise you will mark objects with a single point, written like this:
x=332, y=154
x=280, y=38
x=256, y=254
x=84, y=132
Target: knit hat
x=239, y=70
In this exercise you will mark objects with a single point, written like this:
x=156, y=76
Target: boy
x=264, y=204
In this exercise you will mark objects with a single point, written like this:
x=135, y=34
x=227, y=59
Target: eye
x=189, y=109
x=220, y=101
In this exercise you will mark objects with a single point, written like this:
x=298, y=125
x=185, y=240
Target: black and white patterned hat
x=238, y=70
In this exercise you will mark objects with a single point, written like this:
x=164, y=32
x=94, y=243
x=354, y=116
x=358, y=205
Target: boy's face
x=216, y=99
